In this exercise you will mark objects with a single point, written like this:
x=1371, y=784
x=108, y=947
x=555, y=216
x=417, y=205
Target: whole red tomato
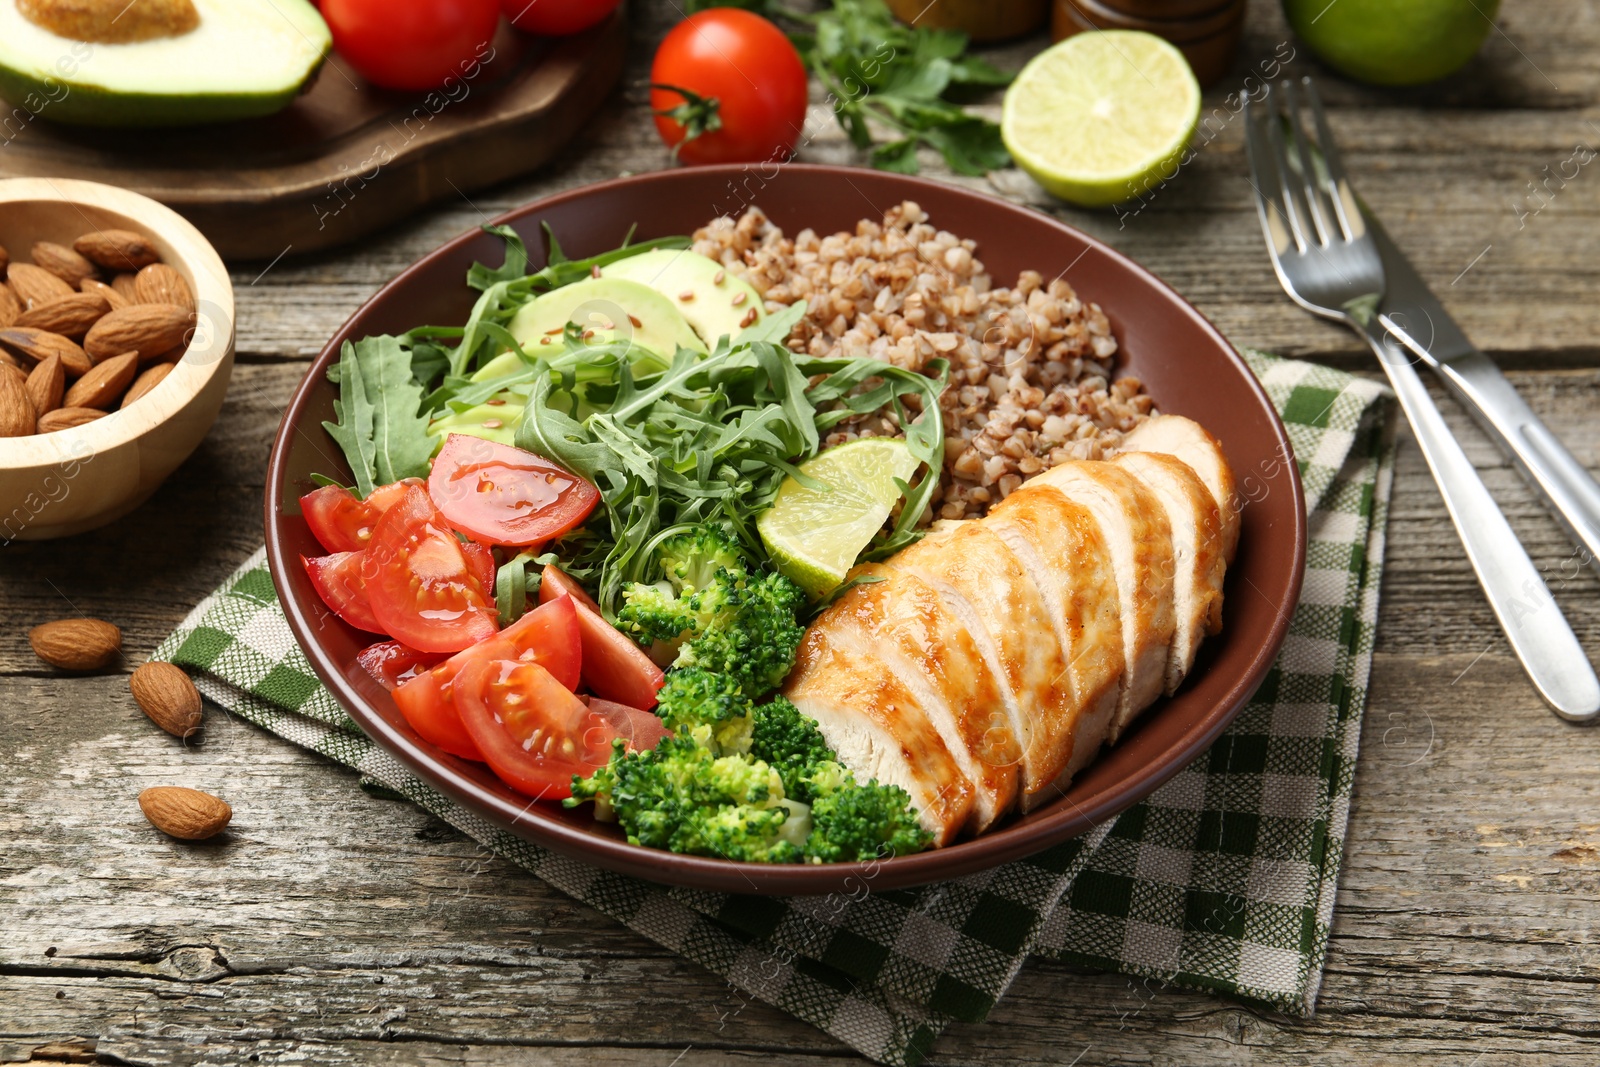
x=556, y=18
x=749, y=68
x=413, y=44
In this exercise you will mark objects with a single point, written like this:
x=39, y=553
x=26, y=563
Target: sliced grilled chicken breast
x=1061, y=548
x=905, y=622
x=1196, y=552
x=877, y=728
x=990, y=591
x=1175, y=435
x=1139, y=537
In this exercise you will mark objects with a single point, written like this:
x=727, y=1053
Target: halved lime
x=814, y=536
x=1103, y=116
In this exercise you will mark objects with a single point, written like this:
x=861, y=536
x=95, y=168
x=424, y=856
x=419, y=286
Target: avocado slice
x=494, y=420
x=719, y=303
x=608, y=310
x=244, y=58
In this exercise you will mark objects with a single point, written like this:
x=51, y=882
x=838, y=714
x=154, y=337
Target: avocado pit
x=112, y=21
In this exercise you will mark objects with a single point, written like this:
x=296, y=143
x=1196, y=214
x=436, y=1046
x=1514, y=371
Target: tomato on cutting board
x=504, y=496
x=556, y=18
x=413, y=44
x=548, y=636
x=342, y=521
x=423, y=590
x=613, y=666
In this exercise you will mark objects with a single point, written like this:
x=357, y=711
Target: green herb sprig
x=909, y=79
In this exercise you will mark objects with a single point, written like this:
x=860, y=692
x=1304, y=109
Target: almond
x=16, y=410
x=10, y=306
x=166, y=694
x=67, y=418
x=70, y=316
x=63, y=262
x=187, y=814
x=5, y=258
x=40, y=345
x=45, y=386
x=117, y=249
x=77, y=644
x=145, y=382
x=35, y=285
x=148, y=329
x=114, y=299
x=160, y=284
x=104, y=383
x=123, y=283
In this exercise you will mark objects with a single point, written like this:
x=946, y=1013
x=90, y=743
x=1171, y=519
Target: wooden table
x=1468, y=923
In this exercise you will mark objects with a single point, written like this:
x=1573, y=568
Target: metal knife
x=1417, y=319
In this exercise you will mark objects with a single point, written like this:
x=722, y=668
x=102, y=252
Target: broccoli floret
x=790, y=743
x=683, y=797
x=856, y=823
x=709, y=706
x=717, y=611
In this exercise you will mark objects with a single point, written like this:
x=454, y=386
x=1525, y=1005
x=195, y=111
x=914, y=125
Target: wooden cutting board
x=346, y=157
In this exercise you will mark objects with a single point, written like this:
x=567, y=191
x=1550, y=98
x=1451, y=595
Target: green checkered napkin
x=1224, y=879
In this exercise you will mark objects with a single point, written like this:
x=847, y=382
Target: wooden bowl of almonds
x=116, y=346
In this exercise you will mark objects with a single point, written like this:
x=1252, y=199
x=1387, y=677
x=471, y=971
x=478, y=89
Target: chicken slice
x=990, y=591
x=904, y=622
x=1196, y=551
x=1140, y=541
x=1175, y=435
x=876, y=727
x=1061, y=548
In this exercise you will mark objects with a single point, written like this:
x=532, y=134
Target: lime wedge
x=1103, y=116
x=814, y=536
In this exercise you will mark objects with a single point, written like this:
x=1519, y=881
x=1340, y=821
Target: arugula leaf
x=379, y=424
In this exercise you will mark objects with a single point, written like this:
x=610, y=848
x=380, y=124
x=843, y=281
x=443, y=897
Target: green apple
x=1393, y=42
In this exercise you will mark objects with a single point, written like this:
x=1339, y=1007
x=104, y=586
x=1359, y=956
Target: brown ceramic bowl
x=1188, y=366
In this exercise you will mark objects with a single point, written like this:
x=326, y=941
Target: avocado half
x=246, y=58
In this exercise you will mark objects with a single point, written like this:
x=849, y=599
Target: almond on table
x=187, y=814
x=77, y=644
x=165, y=693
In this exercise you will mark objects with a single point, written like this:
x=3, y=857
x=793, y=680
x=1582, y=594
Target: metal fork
x=1326, y=258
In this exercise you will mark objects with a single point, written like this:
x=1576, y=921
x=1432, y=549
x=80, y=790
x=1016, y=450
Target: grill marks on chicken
x=990, y=661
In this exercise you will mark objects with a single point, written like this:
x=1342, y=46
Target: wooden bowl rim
x=209, y=278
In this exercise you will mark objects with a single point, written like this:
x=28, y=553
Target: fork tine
x=1337, y=185
x=1279, y=155
x=1264, y=175
x=1309, y=186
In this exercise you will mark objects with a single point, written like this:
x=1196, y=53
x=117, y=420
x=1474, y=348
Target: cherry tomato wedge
x=547, y=635
x=504, y=496
x=392, y=664
x=480, y=561
x=421, y=588
x=561, y=582
x=341, y=521
x=426, y=702
x=613, y=666
x=642, y=730
x=532, y=731
x=339, y=581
